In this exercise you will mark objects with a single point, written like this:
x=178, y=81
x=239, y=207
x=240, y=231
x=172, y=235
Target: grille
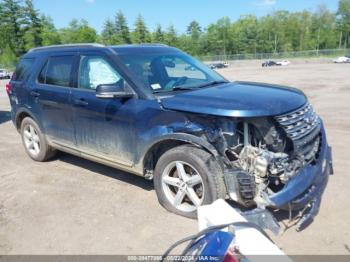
x=303, y=127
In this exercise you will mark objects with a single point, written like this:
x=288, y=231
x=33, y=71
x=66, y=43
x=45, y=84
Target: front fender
x=188, y=138
x=182, y=137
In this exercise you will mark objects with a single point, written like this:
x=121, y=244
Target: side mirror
x=110, y=91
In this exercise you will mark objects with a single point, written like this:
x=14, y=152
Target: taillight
x=230, y=257
x=9, y=88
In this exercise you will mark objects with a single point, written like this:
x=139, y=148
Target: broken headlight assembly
x=265, y=153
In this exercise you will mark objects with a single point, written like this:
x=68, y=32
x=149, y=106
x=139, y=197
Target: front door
x=103, y=127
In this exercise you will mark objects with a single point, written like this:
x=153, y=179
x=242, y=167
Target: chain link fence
x=263, y=56
x=257, y=56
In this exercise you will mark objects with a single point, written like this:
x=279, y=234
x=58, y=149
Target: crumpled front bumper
x=308, y=184
x=302, y=193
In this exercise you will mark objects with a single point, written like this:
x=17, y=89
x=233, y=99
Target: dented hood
x=237, y=99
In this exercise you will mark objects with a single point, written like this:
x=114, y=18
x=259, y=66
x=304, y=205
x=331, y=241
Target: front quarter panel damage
x=260, y=165
x=170, y=129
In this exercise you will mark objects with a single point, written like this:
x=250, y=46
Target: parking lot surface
x=74, y=206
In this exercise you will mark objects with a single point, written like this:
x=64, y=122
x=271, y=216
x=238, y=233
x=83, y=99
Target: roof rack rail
x=139, y=44
x=153, y=44
x=63, y=46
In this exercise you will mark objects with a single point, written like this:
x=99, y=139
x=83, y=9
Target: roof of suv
x=120, y=49
x=64, y=47
x=142, y=48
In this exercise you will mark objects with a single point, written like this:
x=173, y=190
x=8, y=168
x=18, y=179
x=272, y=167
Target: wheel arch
x=21, y=114
x=160, y=146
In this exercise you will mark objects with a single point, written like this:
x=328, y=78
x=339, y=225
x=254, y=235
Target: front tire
x=187, y=177
x=34, y=141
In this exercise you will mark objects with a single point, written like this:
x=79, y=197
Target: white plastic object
x=250, y=241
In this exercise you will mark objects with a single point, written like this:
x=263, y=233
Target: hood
x=238, y=99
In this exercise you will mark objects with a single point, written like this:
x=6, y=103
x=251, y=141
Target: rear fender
x=21, y=114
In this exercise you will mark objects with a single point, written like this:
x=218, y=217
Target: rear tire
x=34, y=141
x=186, y=177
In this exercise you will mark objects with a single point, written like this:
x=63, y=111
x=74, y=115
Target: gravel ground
x=74, y=206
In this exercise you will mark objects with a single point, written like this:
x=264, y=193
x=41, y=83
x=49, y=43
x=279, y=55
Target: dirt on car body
x=73, y=206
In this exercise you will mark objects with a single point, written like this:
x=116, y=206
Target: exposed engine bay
x=263, y=154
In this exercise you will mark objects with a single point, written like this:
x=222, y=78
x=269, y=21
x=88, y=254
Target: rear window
x=23, y=69
x=57, y=71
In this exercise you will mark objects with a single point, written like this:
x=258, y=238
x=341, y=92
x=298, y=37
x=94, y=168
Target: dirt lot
x=73, y=206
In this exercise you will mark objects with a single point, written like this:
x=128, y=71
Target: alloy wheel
x=183, y=186
x=31, y=140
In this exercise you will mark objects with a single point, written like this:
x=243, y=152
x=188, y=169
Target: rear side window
x=57, y=71
x=23, y=69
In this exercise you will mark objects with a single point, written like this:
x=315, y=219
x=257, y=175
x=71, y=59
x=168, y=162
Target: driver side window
x=94, y=71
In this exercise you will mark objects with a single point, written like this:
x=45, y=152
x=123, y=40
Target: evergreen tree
x=108, y=33
x=171, y=36
x=34, y=26
x=12, y=14
x=122, y=29
x=194, y=30
x=158, y=35
x=140, y=34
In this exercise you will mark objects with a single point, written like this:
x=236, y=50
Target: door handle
x=35, y=94
x=80, y=102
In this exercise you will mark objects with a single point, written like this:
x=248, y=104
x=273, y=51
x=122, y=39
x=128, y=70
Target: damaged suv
x=154, y=111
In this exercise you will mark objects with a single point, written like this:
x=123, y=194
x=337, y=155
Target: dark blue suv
x=154, y=111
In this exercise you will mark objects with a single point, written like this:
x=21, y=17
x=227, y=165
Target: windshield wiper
x=186, y=87
x=212, y=83
x=199, y=86
x=176, y=88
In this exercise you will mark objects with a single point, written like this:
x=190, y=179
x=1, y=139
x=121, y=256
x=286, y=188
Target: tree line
x=23, y=27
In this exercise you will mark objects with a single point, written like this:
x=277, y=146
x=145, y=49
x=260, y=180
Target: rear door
x=51, y=95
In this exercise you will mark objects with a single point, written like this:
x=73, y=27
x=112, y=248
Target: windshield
x=170, y=72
